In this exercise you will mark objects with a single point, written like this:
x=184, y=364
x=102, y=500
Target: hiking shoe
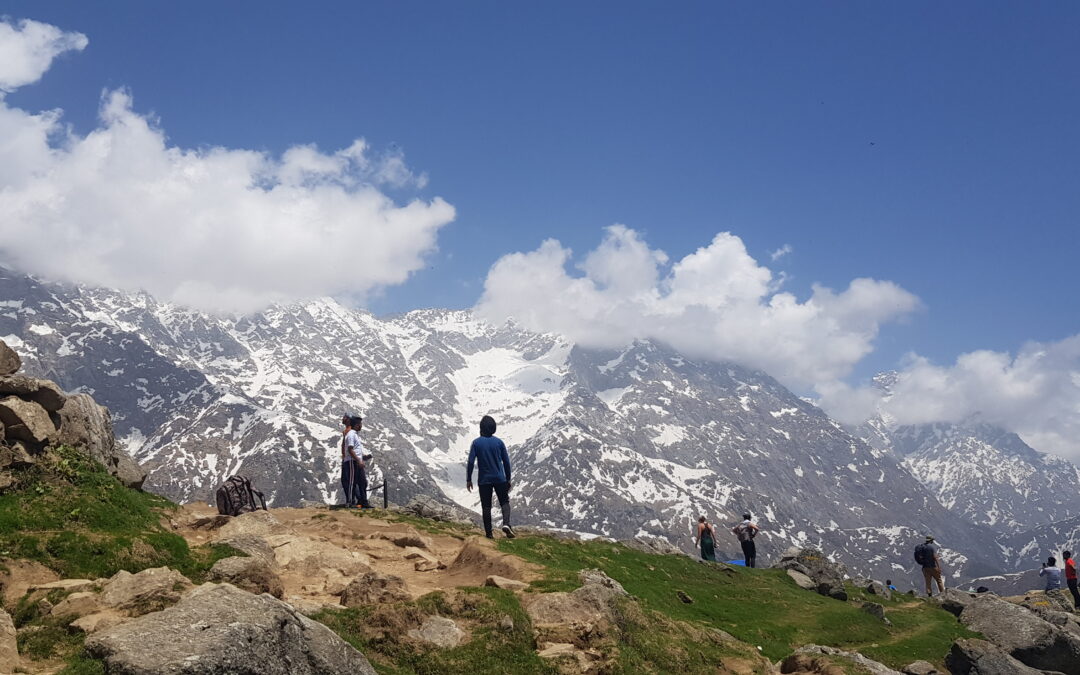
x=489, y=535
x=509, y=532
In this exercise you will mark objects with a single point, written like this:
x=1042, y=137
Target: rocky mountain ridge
x=621, y=443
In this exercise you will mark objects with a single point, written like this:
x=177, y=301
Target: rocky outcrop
x=148, y=591
x=828, y=576
x=979, y=657
x=36, y=414
x=219, y=630
x=428, y=507
x=1023, y=635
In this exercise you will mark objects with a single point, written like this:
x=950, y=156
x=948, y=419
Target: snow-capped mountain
x=980, y=472
x=618, y=443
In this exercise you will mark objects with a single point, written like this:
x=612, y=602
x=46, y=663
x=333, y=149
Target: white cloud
x=27, y=49
x=716, y=303
x=781, y=252
x=217, y=228
x=1035, y=393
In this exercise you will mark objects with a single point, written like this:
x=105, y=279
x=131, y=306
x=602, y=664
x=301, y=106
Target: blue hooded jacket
x=493, y=464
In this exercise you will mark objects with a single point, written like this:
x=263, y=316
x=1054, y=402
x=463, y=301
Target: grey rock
x=43, y=392
x=26, y=421
x=875, y=610
x=828, y=576
x=248, y=574
x=222, y=630
x=250, y=545
x=9, y=648
x=439, y=631
x=598, y=577
x=374, y=588
x=878, y=588
x=9, y=360
x=920, y=668
x=146, y=591
x=651, y=544
x=874, y=667
x=1023, y=635
x=801, y=580
x=428, y=507
x=954, y=601
x=970, y=656
x=88, y=426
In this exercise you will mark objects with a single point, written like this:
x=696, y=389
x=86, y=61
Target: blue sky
x=935, y=145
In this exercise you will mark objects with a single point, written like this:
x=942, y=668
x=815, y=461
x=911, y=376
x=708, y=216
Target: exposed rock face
x=86, y=425
x=1023, y=635
x=9, y=649
x=248, y=574
x=43, y=392
x=827, y=576
x=373, y=588
x=219, y=630
x=979, y=657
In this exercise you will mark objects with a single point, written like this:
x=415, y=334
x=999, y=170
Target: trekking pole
x=385, y=498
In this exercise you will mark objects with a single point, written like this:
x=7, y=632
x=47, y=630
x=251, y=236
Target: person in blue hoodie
x=493, y=474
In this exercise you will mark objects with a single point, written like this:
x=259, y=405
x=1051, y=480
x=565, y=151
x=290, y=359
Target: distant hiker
x=353, y=477
x=1070, y=577
x=706, y=539
x=926, y=554
x=493, y=474
x=746, y=531
x=1052, y=572
x=888, y=585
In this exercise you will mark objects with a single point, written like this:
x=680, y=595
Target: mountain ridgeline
x=637, y=441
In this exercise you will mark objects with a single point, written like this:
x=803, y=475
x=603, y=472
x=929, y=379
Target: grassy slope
x=70, y=515
x=761, y=607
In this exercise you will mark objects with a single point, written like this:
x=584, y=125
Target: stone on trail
x=249, y=574
x=804, y=659
x=255, y=523
x=219, y=630
x=91, y=623
x=410, y=539
x=979, y=657
x=251, y=545
x=9, y=647
x=439, y=631
x=496, y=581
x=920, y=668
x=313, y=557
x=77, y=604
x=374, y=588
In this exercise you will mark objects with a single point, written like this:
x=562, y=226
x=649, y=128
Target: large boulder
x=818, y=659
x=249, y=574
x=979, y=657
x=9, y=648
x=574, y=617
x=26, y=421
x=827, y=576
x=148, y=591
x=1023, y=635
x=314, y=557
x=219, y=630
x=9, y=360
x=88, y=426
x=255, y=523
x=43, y=392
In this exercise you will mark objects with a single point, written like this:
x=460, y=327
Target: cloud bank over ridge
x=216, y=228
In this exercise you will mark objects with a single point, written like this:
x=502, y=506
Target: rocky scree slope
x=632, y=442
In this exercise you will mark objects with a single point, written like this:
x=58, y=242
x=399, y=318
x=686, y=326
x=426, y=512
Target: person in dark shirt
x=493, y=474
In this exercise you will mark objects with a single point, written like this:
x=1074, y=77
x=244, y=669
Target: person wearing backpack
x=706, y=539
x=746, y=531
x=926, y=555
x=1070, y=576
x=492, y=462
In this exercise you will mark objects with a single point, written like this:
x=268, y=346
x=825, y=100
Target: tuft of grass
x=762, y=607
x=70, y=515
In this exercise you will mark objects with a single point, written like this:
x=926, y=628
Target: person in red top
x=1070, y=577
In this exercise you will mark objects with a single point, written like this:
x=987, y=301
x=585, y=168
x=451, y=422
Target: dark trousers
x=360, y=486
x=503, y=491
x=348, y=482
x=1075, y=593
x=749, y=551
